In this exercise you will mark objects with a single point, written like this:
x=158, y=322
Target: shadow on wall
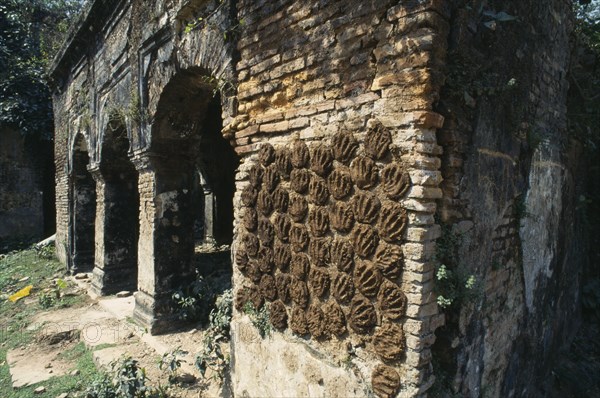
x=83, y=210
x=27, y=206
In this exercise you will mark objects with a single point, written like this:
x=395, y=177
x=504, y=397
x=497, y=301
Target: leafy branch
x=207, y=20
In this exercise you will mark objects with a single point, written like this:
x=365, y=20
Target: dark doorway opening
x=214, y=187
x=121, y=212
x=195, y=184
x=83, y=210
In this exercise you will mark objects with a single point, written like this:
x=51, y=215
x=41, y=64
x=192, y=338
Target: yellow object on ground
x=21, y=293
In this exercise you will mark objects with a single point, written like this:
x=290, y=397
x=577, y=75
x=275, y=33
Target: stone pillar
x=209, y=213
x=99, y=233
x=116, y=233
x=166, y=242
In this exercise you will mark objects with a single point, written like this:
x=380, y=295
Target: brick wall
x=505, y=177
x=346, y=70
x=21, y=212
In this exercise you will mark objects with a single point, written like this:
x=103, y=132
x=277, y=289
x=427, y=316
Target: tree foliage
x=31, y=32
x=584, y=99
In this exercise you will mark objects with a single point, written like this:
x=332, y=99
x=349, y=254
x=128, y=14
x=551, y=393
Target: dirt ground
x=104, y=325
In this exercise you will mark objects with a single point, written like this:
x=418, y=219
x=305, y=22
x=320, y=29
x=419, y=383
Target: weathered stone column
x=116, y=233
x=166, y=244
x=99, y=232
x=209, y=212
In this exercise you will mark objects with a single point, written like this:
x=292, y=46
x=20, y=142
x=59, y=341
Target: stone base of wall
x=281, y=365
x=152, y=313
x=112, y=281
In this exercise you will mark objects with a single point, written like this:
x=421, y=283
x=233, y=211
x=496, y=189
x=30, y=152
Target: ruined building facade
x=329, y=144
x=26, y=187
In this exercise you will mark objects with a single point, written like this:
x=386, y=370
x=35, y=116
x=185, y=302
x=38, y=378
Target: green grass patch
x=103, y=346
x=79, y=355
x=74, y=352
x=27, y=267
x=37, y=268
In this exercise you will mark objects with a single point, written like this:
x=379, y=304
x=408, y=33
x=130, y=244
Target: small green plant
x=534, y=138
x=259, y=318
x=50, y=298
x=220, y=316
x=211, y=356
x=119, y=114
x=134, y=110
x=520, y=208
x=46, y=252
x=220, y=85
x=172, y=362
x=207, y=21
x=101, y=387
x=447, y=246
x=193, y=302
x=46, y=300
x=454, y=287
x=128, y=381
x=454, y=284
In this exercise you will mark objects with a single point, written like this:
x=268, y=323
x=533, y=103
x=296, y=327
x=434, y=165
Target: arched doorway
x=191, y=169
x=118, y=210
x=215, y=165
x=83, y=209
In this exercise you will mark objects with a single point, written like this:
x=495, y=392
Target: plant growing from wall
x=208, y=21
x=259, y=318
x=454, y=284
x=223, y=86
x=121, y=114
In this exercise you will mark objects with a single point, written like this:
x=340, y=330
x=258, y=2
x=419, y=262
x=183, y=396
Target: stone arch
x=204, y=52
x=117, y=211
x=82, y=208
x=188, y=124
x=191, y=168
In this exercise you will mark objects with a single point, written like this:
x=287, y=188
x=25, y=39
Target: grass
x=33, y=267
x=80, y=356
